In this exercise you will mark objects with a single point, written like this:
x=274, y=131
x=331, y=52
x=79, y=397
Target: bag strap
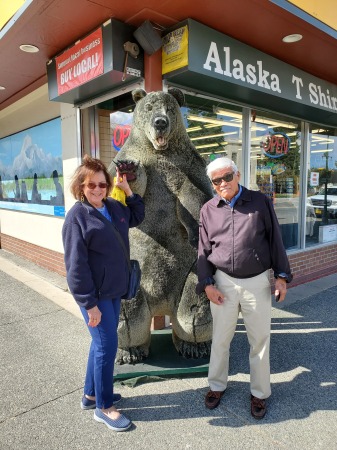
x=119, y=237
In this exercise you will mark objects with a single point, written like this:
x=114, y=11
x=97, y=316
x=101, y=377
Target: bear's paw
x=127, y=167
x=131, y=355
x=192, y=350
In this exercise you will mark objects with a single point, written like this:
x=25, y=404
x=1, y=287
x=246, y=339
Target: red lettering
x=121, y=133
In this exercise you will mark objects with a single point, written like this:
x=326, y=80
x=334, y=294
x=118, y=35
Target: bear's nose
x=160, y=123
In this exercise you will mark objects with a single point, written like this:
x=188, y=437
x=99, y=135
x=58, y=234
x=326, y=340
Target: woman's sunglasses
x=92, y=186
x=228, y=177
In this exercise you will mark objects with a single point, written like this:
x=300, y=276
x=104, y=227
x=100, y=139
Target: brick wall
x=48, y=259
x=106, y=151
x=313, y=263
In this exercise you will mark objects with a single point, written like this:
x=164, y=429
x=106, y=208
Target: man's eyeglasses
x=92, y=186
x=228, y=177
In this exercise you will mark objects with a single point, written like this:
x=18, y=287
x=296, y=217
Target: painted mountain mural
x=33, y=159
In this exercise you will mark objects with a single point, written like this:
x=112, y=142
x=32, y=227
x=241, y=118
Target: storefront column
x=152, y=71
x=71, y=145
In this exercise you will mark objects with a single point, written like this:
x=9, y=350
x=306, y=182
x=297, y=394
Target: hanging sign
x=80, y=63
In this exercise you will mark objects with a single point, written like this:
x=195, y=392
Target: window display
x=321, y=205
x=275, y=168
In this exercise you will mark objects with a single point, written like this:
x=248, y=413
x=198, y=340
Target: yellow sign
x=8, y=9
x=175, y=50
x=323, y=10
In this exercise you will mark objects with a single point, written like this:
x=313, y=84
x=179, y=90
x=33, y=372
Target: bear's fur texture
x=172, y=180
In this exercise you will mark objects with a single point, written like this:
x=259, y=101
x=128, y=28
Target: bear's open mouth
x=161, y=142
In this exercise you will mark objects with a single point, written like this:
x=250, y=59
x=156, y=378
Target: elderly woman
x=97, y=275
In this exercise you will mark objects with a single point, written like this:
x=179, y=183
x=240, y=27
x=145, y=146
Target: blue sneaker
x=120, y=424
x=91, y=404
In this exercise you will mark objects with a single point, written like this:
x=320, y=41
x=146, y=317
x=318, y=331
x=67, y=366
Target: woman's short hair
x=89, y=167
x=220, y=163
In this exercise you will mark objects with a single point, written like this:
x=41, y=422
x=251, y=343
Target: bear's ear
x=138, y=94
x=178, y=95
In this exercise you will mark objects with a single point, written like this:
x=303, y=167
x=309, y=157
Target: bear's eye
x=148, y=107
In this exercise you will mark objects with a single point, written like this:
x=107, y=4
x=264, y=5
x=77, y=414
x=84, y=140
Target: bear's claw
x=131, y=355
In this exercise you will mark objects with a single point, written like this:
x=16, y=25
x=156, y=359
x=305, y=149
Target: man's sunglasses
x=228, y=177
x=92, y=186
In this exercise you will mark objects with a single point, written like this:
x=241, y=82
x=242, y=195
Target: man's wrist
x=209, y=282
x=283, y=276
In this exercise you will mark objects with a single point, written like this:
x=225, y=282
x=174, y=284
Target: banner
x=175, y=50
x=80, y=63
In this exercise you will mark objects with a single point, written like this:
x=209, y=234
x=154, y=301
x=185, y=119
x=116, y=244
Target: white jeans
x=251, y=296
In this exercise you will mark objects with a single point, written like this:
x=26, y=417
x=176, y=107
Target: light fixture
x=206, y=145
x=217, y=122
x=209, y=136
x=28, y=48
x=292, y=38
x=224, y=112
x=275, y=123
x=192, y=129
x=2, y=88
x=321, y=151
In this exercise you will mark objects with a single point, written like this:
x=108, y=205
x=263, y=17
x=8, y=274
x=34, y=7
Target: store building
x=270, y=106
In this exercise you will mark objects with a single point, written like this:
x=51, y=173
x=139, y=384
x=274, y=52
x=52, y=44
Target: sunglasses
x=94, y=185
x=228, y=177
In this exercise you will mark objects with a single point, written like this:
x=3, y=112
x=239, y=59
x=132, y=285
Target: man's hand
x=280, y=288
x=214, y=295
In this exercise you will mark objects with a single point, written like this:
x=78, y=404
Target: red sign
x=120, y=134
x=276, y=145
x=80, y=63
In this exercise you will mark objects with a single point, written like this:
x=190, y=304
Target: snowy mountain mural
x=31, y=172
x=37, y=150
x=33, y=159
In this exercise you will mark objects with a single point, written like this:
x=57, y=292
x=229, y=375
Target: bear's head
x=157, y=114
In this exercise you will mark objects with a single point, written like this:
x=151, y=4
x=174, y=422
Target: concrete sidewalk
x=44, y=346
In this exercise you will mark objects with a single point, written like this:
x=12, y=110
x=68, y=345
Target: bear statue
x=170, y=176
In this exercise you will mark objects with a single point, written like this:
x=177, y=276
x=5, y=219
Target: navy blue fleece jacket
x=94, y=258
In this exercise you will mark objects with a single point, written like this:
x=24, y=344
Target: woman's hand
x=214, y=295
x=122, y=183
x=94, y=316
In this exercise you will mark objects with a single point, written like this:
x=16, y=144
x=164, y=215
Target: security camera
x=131, y=48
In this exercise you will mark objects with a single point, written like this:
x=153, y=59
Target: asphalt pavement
x=43, y=349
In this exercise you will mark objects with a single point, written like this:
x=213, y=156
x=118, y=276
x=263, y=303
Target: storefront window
x=214, y=128
x=321, y=208
x=275, y=168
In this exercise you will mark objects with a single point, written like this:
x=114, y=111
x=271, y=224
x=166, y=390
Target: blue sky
x=46, y=136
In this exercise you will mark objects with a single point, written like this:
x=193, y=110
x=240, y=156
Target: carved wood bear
x=172, y=180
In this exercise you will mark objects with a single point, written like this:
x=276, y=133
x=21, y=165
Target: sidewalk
x=44, y=346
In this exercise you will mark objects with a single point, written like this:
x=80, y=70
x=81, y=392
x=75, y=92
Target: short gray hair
x=220, y=163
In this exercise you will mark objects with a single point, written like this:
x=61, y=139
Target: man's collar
x=218, y=199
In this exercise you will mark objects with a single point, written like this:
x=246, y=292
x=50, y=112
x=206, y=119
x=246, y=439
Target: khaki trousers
x=251, y=297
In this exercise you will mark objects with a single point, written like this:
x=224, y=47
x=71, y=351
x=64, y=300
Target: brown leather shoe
x=257, y=407
x=213, y=398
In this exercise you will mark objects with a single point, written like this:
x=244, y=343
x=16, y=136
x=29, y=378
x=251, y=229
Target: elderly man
x=239, y=241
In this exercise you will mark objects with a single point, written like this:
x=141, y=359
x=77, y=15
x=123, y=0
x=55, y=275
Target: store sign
x=80, y=63
x=94, y=65
x=120, y=135
x=275, y=145
x=314, y=179
x=220, y=65
x=327, y=233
